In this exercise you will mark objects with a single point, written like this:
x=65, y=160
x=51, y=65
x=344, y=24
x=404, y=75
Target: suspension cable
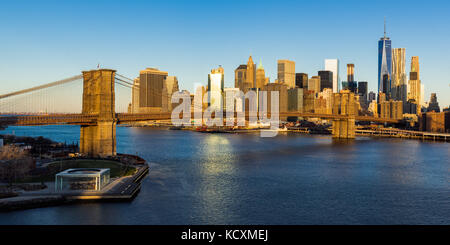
x=42, y=86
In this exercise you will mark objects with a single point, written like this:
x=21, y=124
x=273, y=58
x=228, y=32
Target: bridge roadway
x=121, y=118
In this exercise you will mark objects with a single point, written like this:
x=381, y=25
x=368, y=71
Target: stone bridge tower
x=345, y=105
x=99, y=99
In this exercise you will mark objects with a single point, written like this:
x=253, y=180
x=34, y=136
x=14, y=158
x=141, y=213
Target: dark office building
x=433, y=105
x=326, y=79
x=362, y=89
x=352, y=86
x=386, y=85
x=151, y=87
x=301, y=80
x=372, y=96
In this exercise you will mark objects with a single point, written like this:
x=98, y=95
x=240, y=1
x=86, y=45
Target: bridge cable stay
x=124, y=77
x=67, y=80
x=123, y=81
x=123, y=97
x=52, y=97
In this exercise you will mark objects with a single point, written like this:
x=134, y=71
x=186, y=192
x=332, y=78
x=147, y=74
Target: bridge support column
x=343, y=128
x=344, y=104
x=98, y=140
x=99, y=99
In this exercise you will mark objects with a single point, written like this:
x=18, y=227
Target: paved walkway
x=123, y=187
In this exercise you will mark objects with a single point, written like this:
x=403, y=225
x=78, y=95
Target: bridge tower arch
x=99, y=99
x=345, y=105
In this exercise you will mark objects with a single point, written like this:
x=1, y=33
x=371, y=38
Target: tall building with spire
x=384, y=64
x=399, y=87
x=261, y=78
x=251, y=73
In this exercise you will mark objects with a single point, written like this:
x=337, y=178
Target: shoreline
x=124, y=188
x=381, y=133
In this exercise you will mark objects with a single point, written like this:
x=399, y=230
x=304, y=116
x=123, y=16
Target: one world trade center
x=384, y=64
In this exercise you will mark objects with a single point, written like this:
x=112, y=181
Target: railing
x=52, y=119
x=86, y=119
x=400, y=133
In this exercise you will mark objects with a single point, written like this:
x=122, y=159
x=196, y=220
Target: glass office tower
x=385, y=65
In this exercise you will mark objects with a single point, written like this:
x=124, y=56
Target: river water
x=198, y=178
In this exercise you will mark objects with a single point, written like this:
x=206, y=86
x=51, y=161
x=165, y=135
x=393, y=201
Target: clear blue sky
x=43, y=41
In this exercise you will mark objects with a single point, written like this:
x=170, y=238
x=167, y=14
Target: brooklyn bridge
x=99, y=116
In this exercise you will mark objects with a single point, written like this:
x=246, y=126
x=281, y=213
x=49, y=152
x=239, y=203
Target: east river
x=199, y=178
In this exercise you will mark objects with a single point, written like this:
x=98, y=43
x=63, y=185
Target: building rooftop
x=242, y=67
x=154, y=71
x=83, y=172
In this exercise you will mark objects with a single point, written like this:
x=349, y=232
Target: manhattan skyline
x=196, y=37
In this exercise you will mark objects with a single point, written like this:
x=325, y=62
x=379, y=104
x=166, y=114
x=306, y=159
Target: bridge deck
x=91, y=119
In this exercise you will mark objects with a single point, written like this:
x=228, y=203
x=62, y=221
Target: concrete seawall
x=123, y=189
x=27, y=202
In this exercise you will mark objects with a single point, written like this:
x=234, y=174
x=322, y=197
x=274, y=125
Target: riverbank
x=361, y=132
x=27, y=202
x=120, y=189
x=198, y=178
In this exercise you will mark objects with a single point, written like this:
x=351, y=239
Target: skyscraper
x=301, y=80
x=350, y=84
x=326, y=79
x=240, y=77
x=251, y=73
x=282, y=96
x=415, y=87
x=350, y=72
x=261, y=78
x=362, y=92
x=295, y=99
x=216, y=88
x=333, y=66
x=415, y=65
x=398, y=87
x=286, y=73
x=170, y=86
x=422, y=94
x=314, y=84
x=362, y=89
x=433, y=105
x=371, y=96
x=151, y=84
x=135, y=96
x=384, y=64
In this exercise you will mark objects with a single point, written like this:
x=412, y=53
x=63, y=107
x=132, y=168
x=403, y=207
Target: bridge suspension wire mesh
x=127, y=84
x=63, y=96
x=123, y=93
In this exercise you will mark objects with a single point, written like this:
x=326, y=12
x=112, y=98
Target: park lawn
x=116, y=169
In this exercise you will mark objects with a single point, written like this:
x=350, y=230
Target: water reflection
x=216, y=188
x=218, y=156
x=200, y=178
